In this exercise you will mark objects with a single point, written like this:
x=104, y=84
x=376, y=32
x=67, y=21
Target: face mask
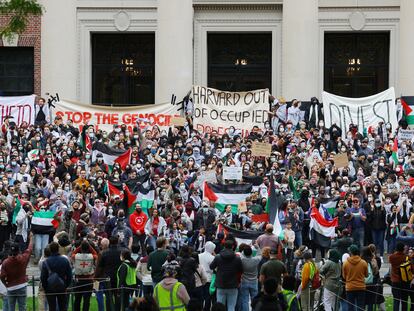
x=67, y=177
x=13, y=163
x=153, y=151
x=116, y=138
x=163, y=163
x=139, y=165
x=38, y=138
x=92, y=135
x=100, y=181
x=116, y=175
x=88, y=156
x=381, y=164
x=259, y=165
x=282, y=129
x=182, y=187
x=117, y=130
x=136, y=136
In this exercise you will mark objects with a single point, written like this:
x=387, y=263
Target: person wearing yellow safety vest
x=307, y=296
x=288, y=291
x=126, y=277
x=170, y=294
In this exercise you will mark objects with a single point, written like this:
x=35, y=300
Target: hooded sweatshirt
x=354, y=271
x=229, y=268
x=206, y=258
x=182, y=294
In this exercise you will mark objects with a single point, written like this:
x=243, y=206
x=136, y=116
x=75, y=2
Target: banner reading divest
x=216, y=110
x=105, y=118
x=21, y=108
x=363, y=112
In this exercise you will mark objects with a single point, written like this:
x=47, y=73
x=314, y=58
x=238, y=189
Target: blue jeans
x=151, y=241
x=40, y=243
x=378, y=240
x=356, y=300
x=247, y=289
x=358, y=234
x=17, y=296
x=5, y=303
x=229, y=296
x=298, y=239
x=100, y=297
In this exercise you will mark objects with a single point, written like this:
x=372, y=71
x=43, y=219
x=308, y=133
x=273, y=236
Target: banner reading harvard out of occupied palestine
x=21, y=108
x=364, y=111
x=104, y=118
x=216, y=110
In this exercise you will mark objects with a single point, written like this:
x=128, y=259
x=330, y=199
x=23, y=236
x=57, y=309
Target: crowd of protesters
x=170, y=256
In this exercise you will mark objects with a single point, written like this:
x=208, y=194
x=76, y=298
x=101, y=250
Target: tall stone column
x=406, y=72
x=300, y=49
x=174, y=49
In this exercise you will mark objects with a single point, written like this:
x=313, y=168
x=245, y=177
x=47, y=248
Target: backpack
x=405, y=271
x=316, y=279
x=84, y=264
x=370, y=278
x=55, y=284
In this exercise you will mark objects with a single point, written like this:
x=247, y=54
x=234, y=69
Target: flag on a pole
x=16, y=210
x=272, y=207
x=395, y=151
x=229, y=194
x=115, y=189
x=33, y=154
x=407, y=103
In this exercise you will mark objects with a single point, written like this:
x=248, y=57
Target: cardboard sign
x=232, y=172
x=242, y=207
x=205, y=176
x=261, y=149
x=341, y=160
x=405, y=134
x=178, y=121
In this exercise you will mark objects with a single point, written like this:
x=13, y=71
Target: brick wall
x=29, y=38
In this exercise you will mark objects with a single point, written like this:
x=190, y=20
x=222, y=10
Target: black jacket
x=376, y=219
x=342, y=244
x=229, y=269
x=61, y=266
x=109, y=263
x=263, y=302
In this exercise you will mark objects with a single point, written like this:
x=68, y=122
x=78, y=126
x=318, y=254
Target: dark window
x=123, y=69
x=356, y=64
x=16, y=71
x=239, y=61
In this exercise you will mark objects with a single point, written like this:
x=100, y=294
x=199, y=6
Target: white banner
x=363, y=112
x=104, y=117
x=216, y=110
x=20, y=108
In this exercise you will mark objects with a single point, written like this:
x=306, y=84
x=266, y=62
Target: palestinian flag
x=321, y=230
x=245, y=236
x=145, y=195
x=17, y=207
x=407, y=102
x=222, y=195
x=272, y=207
x=395, y=152
x=129, y=199
x=111, y=155
x=33, y=154
x=115, y=189
x=85, y=140
x=42, y=222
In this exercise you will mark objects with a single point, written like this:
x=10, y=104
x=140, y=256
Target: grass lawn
x=94, y=305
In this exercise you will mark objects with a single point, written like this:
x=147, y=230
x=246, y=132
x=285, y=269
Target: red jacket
x=13, y=269
x=137, y=222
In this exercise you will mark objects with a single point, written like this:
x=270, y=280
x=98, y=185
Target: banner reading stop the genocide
x=216, y=110
x=363, y=112
x=104, y=117
x=20, y=108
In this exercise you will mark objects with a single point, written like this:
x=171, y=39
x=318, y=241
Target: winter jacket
x=206, y=258
x=60, y=265
x=229, y=268
x=376, y=219
x=332, y=273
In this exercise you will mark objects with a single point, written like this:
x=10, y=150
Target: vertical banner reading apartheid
x=104, y=117
x=20, y=108
x=363, y=112
x=216, y=110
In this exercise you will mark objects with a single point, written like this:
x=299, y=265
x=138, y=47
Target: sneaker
x=382, y=260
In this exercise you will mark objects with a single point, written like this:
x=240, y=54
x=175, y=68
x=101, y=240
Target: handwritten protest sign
x=261, y=149
x=405, y=134
x=232, y=172
x=341, y=160
x=178, y=121
x=216, y=110
x=363, y=112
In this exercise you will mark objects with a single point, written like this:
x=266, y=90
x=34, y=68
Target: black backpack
x=55, y=284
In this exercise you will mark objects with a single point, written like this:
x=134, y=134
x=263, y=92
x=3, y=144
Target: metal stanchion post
x=33, y=292
x=122, y=298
